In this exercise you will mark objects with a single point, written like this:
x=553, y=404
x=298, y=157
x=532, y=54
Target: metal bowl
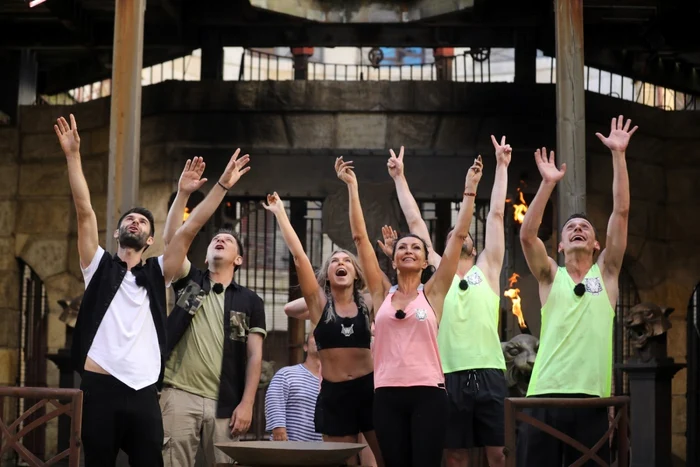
x=289, y=453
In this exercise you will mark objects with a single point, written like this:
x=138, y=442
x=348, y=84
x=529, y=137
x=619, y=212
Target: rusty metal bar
x=571, y=114
x=11, y=436
x=125, y=117
x=512, y=416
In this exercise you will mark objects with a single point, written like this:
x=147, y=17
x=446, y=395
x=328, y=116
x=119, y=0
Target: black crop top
x=343, y=332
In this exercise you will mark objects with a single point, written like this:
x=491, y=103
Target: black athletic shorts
x=476, y=414
x=345, y=408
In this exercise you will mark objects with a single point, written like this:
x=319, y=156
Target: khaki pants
x=189, y=422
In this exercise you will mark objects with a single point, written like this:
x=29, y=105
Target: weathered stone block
x=647, y=218
x=8, y=364
x=46, y=256
x=456, y=133
x=42, y=216
x=42, y=146
x=7, y=254
x=155, y=197
x=9, y=289
x=8, y=179
x=7, y=215
x=156, y=165
x=681, y=223
x=649, y=267
x=41, y=119
x=310, y=131
x=63, y=286
x=681, y=153
x=411, y=130
x=361, y=131
x=679, y=384
x=99, y=140
x=46, y=179
x=9, y=144
x=56, y=331
x=678, y=447
x=9, y=328
x=682, y=184
x=679, y=408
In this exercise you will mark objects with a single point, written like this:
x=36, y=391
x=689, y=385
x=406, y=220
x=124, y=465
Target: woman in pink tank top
x=410, y=406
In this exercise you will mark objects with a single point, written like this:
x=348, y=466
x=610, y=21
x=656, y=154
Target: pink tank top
x=406, y=350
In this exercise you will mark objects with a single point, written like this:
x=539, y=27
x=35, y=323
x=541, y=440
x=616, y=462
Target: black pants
x=115, y=417
x=586, y=425
x=410, y=425
x=345, y=408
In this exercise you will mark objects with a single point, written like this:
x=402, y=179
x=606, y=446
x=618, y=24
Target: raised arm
x=439, y=284
x=176, y=251
x=313, y=295
x=410, y=208
x=377, y=282
x=491, y=259
x=541, y=265
x=297, y=309
x=190, y=181
x=88, y=239
x=616, y=241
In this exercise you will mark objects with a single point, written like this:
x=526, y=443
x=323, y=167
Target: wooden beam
x=125, y=118
x=571, y=112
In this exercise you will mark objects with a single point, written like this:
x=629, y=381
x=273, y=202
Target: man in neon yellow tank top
x=578, y=303
x=468, y=339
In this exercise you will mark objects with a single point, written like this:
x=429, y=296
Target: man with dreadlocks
x=474, y=368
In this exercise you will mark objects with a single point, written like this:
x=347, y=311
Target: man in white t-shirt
x=119, y=341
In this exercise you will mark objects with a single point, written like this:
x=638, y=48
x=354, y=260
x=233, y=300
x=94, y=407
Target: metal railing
x=619, y=423
x=11, y=435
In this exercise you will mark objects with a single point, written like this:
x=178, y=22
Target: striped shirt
x=290, y=402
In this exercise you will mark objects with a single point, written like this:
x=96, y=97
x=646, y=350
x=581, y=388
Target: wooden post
x=125, y=117
x=571, y=114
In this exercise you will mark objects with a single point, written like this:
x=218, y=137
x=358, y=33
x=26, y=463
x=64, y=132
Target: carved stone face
x=70, y=310
x=645, y=321
x=520, y=353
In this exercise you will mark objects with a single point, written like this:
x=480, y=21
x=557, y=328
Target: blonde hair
x=358, y=285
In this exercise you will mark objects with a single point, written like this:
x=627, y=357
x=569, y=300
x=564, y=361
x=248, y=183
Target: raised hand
x=274, y=204
x=395, y=164
x=191, y=178
x=474, y=174
x=344, y=171
x=548, y=170
x=619, y=136
x=234, y=170
x=68, y=136
x=503, y=150
x=390, y=235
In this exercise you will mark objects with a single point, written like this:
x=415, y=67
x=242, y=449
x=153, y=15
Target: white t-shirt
x=126, y=343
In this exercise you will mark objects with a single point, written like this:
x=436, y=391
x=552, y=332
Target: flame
x=186, y=214
x=519, y=210
x=514, y=295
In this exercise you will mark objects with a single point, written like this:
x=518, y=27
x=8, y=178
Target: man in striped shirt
x=290, y=400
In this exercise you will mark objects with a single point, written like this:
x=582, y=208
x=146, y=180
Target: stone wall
x=294, y=131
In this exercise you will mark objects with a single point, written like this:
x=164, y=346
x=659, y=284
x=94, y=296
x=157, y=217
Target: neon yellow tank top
x=468, y=336
x=575, y=354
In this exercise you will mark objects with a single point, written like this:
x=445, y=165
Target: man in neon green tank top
x=468, y=339
x=578, y=303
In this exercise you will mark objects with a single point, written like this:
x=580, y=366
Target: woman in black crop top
x=342, y=320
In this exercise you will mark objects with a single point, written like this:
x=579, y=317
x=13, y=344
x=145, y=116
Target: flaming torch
x=514, y=295
x=186, y=214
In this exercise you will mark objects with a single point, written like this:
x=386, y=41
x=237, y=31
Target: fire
x=519, y=210
x=186, y=214
x=514, y=295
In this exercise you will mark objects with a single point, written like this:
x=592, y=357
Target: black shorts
x=584, y=424
x=345, y=408
x=476, y=413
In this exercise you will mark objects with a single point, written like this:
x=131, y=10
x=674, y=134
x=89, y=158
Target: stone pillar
x=571, y=115
x=212, y=58
x=18, y=82
x=125, y=118
x=301, y=61
x=444, y=59
x=525, y=57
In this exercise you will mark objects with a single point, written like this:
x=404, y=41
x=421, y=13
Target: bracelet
x=469, y=194
x=222, y=186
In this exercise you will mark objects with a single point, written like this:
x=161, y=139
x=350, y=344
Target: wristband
x=222, y=186
x=469, y=194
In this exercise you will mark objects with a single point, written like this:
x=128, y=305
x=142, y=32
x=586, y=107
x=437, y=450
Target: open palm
x=68, y=135
x=274, y=204
x=547, y=167
x=191, y=178
x=619, y=136
x=344, y=171
x=235, y=169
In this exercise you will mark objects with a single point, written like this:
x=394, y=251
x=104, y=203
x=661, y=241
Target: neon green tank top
x=575, y=354
x=468, y=336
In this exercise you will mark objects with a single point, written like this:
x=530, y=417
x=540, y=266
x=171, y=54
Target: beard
x=136, y=241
